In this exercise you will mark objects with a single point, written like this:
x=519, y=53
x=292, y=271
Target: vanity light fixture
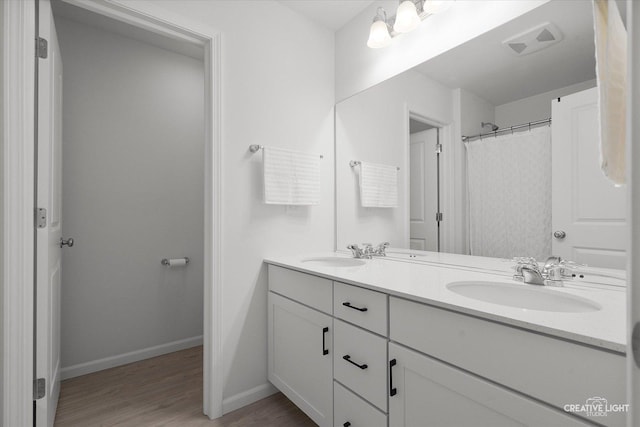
x=379, y=34
x=407, y=18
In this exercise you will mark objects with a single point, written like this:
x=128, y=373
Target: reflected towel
x=611, y=70
x=378, y=185
x=290, y=177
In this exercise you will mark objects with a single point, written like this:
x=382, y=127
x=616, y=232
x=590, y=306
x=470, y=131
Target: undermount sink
x=524, y=296
x=334, y=261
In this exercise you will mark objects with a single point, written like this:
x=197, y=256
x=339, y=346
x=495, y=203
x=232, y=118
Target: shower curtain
x=509, y=194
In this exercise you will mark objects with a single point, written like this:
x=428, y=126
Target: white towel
x=611, y=70
x=378, y=185
x=291, y=177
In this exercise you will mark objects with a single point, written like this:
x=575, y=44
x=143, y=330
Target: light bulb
x=407, y=18
x=379, y=34
x=435, y=6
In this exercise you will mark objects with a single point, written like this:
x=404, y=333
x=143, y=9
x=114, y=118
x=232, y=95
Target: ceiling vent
x=537, y=38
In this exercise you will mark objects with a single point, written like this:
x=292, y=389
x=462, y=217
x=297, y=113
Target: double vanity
x=450, y=340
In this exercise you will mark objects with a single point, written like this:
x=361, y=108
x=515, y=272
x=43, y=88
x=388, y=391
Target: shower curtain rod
x=508, y=129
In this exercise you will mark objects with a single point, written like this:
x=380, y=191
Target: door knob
x=68, y=242
x=559, y=234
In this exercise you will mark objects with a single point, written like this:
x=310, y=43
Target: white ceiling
x=332, y=14
x=484, y=67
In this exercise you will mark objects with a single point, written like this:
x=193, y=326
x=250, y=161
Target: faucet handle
x=381, y=248
x=355, y=250
x=567, y=268
x=572, y=264
x=524, y=263
x=525, y=260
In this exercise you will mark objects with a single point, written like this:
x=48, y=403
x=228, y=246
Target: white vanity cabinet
x=350, y=356
x=300, y=348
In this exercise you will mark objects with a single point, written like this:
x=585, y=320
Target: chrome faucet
x=555, y=270
x=368, y=251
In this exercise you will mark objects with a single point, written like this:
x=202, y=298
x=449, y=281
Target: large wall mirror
x=495, y=146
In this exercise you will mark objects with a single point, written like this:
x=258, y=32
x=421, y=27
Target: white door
x=423, y=191
x=49, y=189
x=299, y=357
x=588, y=210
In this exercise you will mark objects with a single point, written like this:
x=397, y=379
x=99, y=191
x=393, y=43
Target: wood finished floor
x=163, y=391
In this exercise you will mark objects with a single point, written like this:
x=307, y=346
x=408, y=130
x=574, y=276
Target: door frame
x=447, y=229
x=18, y=34
x=633, y=209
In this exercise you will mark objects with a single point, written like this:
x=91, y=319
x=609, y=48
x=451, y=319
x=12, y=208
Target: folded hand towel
x=291, y=177
x=378, y=185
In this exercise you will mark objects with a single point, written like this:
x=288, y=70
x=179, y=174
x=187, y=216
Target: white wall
x=359, y=67
x=537, y=107
x=373, y=126
x=277, y=89
x=133, y=176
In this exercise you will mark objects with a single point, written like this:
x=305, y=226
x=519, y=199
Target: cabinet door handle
x=348, y=359
x=392, y=390
x=347, y=424
x=348, y=304
x=324, y=346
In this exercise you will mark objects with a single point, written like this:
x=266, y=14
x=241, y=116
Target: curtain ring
x=511, y=130
x=529, y=126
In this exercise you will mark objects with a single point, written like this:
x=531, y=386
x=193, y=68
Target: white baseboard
x=247, y=397
x=133, y=356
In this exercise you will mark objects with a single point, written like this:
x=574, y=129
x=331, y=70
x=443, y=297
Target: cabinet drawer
x=309, y=290
x=359, y=362
x=360, y=306
x=350, y=410
x=553, y=370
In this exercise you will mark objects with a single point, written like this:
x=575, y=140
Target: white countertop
x=426, y=282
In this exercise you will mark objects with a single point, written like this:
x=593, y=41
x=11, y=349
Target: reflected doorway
x=424, y=185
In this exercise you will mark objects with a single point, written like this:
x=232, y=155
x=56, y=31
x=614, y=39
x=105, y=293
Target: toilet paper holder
x=167, y=262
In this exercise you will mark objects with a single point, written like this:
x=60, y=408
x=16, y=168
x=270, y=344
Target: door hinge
x=39, y=388
x=41, y=217
x=42, y=46
x=438, y=216
x=438, y=148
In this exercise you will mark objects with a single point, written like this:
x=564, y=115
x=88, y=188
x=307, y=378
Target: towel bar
x=254, y=148
x=354, y=163
x=167, y=262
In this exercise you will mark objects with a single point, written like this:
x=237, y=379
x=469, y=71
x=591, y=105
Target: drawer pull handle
x=348, y=304
x=348, y=359
x=347, y=424
x=392, y=390
x=324, y=346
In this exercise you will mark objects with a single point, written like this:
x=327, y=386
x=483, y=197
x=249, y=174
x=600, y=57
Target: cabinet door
x=300, y=353
x=428, y=392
